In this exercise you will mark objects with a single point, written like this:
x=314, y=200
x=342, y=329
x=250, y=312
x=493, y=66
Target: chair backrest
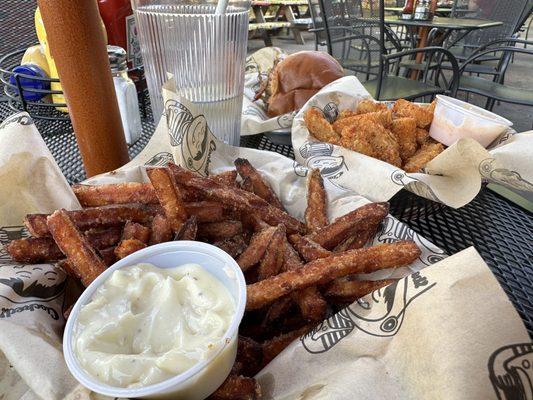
x=318, y=22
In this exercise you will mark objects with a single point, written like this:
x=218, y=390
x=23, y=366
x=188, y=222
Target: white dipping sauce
x=147, y=324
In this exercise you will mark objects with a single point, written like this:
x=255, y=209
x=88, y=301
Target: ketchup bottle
x=121, y=30
x=408, y=9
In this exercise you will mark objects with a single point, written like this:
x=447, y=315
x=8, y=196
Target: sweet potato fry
x=34, y=250
x=67, y=267
x=234, y=246
x=133, y=230
x=97, y=217
x=227, y=178
x=272, y=260
x=118, y=193
x=276, y=311
x=425, y=154
x=83, y=258
x=259, y=186
x=319, y=127
x=405, y=131
x=237, y=388
x=308, y=249
x=249, y=354
x=326, y=269
x=274, y=346
x=247, y=185
x=316, y=214
x=345, y=290
x=108, y=255
x=358, y=239
x=422, y=115
x=238, y=199
x=256, y=249
x=188, y=230
x=334, y=233
x=169, y=197
x=369, y=105
x=127, y=247
x=206, y=211
x=160, y=230
x=220, y=230
x=100, y=238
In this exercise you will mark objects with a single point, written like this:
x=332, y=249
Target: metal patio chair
x=318, y=24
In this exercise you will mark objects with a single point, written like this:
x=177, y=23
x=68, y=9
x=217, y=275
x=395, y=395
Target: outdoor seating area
x=247, y=199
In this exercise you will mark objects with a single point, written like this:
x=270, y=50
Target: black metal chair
x=357, y=36
x=495, y=89
x=318, y=24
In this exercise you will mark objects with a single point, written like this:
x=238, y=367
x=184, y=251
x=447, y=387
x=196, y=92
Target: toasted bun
x=298, y=77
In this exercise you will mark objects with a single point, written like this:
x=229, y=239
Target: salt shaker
x=126, y=92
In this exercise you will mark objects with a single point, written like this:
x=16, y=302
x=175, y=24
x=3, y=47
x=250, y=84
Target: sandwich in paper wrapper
x=454, y=177
x=445, y=329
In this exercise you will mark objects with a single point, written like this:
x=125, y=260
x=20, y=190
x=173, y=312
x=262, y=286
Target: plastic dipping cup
x=205, y=53
x=203, y=378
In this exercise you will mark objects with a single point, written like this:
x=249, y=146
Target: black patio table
x=439, y=11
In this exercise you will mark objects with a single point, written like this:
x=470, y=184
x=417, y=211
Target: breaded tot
x=422, y=136
x=423, y=115
x=358, y=140
x=319, y=127
x=368, y=106
x=383, y=118
x=346, y=114
x=405, y=131
x=425, y=154
x=386, y=146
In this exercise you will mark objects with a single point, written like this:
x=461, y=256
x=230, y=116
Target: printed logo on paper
x=503, y=176
x=320, y=155
x=192, y=135
x=511, y=371
x=381, y=315
x=21, y=118
x=415, y=186
x=160, y=159
x=28, y=288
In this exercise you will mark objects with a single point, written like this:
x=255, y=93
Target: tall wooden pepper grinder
x=78, y=47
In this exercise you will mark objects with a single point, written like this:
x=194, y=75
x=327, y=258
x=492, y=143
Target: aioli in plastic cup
x=203, y=378
x=204, y=51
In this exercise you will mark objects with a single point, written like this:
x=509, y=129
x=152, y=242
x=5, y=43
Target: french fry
x=272, y=260
x=206, y=211
x=234, y=246
x=238, y=199
x=220, y=230
x=327, y=269
x=345, y=290
x=237, y=388
x=249, y=355
x=227, y=178
x=160, y=231
x=256, y=249
x=316, y=214
x=358, y=239
x=259, y=185
x=100, y=238
x=96, y=217
x=67, y=267
x=118, y=193
x=274, y=346
x=169, y=197
x=34, y=250
x=319, y=127
x=127, y=247
x=425, y=154
x=247, y=185
x=188, y=230
x=276, y=311
x=108, y=255
x=336, y=232
x=308, y=249
x=83, y=258
x=133, y=230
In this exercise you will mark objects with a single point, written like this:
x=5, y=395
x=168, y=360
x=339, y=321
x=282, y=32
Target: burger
x=295, y=79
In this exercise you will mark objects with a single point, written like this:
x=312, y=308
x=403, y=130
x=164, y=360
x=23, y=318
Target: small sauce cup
x=205, y=377
x=455, y=119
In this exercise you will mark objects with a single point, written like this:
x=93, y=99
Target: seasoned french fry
x=97, y=217
x=422, y=115
x=247, y=184
x=234, y=246
x=169, y=197
x=276, y=311
x=238, y=199
x=206, y=211
x=133, y=230
x=259, y=185
x=274, y=346
x=118, y=193
x=308, y=249
x=249, y=355
x=256, y=249
x=82, y=257
x=425, y=154
x=405, y=131
x=227, y=178
x=272, y=260
x=160, y=231
x=67, y=267
x=34, y=250
x=334, y=233
x=127, y=247
x=100, y=238
x=345, y=290
x=188, y=230
x=108, y=255
x=237, y=388
x=326, y=269
x=358, y=239
x=319, y=127
x=220, y=230
x=316, y=214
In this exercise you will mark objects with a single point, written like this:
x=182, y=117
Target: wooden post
x=78, y=47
